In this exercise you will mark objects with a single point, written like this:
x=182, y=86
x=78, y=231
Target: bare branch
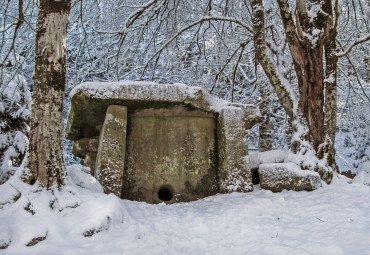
x=287, y=97
x=223, y=67
x=200, y=21
x=356, y=42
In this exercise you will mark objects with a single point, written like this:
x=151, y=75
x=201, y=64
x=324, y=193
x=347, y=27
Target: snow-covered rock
x=75, y=176
x=363, y=177
x=279, y=176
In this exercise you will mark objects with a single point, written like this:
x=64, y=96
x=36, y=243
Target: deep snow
x=334, y=219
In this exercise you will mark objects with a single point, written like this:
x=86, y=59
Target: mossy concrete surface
x=111, y=153
x=172, y=149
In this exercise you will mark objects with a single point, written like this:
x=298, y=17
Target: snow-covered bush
x=15, y=99
x=16, y=66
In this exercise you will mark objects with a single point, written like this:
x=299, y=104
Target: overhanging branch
x=356, y=42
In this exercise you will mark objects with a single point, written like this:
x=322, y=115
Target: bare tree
x=45, y=160
x=311, y=35
x=15, y=98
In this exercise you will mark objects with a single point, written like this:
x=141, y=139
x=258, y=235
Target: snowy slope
x=334, y=219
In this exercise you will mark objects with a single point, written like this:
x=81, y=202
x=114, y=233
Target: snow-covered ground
x=79, y=219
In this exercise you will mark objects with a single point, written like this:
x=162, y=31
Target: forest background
x=202, y=43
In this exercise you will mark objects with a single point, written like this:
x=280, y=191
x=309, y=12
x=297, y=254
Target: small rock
x=348, y=174
x=4, y=245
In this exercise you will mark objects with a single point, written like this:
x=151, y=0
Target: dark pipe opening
x=255, y=176
x=164, y=194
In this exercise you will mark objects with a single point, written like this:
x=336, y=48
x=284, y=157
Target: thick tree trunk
x=45, y=152
x=316, y=69
x=311, y=103
x=330, y=82
x=312, y=46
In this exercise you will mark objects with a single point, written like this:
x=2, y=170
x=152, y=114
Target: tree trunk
x=312, y=46
x=367, y=69
x=265, y=143
x=45, y=152
x=330, y=82
x=289, y=131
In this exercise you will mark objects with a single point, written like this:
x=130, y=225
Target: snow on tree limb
x=200, y=22
x=350, y=47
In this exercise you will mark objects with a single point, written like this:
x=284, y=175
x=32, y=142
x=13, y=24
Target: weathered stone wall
x=171, y=149
x=111, y=152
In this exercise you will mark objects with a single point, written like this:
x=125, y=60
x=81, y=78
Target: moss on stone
x=171, y=146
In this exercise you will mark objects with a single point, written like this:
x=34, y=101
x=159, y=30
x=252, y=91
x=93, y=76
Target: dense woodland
x=305, y=63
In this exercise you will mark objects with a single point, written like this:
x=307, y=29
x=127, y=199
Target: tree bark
x=312, y=44
x=265, y=141
x=327, y=149
x=287, y=98
x=367, y=69
x=45, y=152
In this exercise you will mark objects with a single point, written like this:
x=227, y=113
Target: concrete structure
x=160, y=143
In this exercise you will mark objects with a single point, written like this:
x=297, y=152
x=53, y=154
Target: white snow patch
x=20, y=141
x=362, y=178
x=77, y=176
x=274, y=156
x=330, y=220
x=2, y=108
x=313, y=11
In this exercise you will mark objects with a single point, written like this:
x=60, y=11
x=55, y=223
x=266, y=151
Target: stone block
x=234, y=173
x=111, y=151
x=84, y=145
x=279, y=176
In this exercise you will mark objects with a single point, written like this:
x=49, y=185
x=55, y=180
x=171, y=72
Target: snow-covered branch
x=356, y=42
x=198, y=22
x=7, y=26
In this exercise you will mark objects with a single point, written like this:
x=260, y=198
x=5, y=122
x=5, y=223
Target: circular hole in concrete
x=165, y=194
